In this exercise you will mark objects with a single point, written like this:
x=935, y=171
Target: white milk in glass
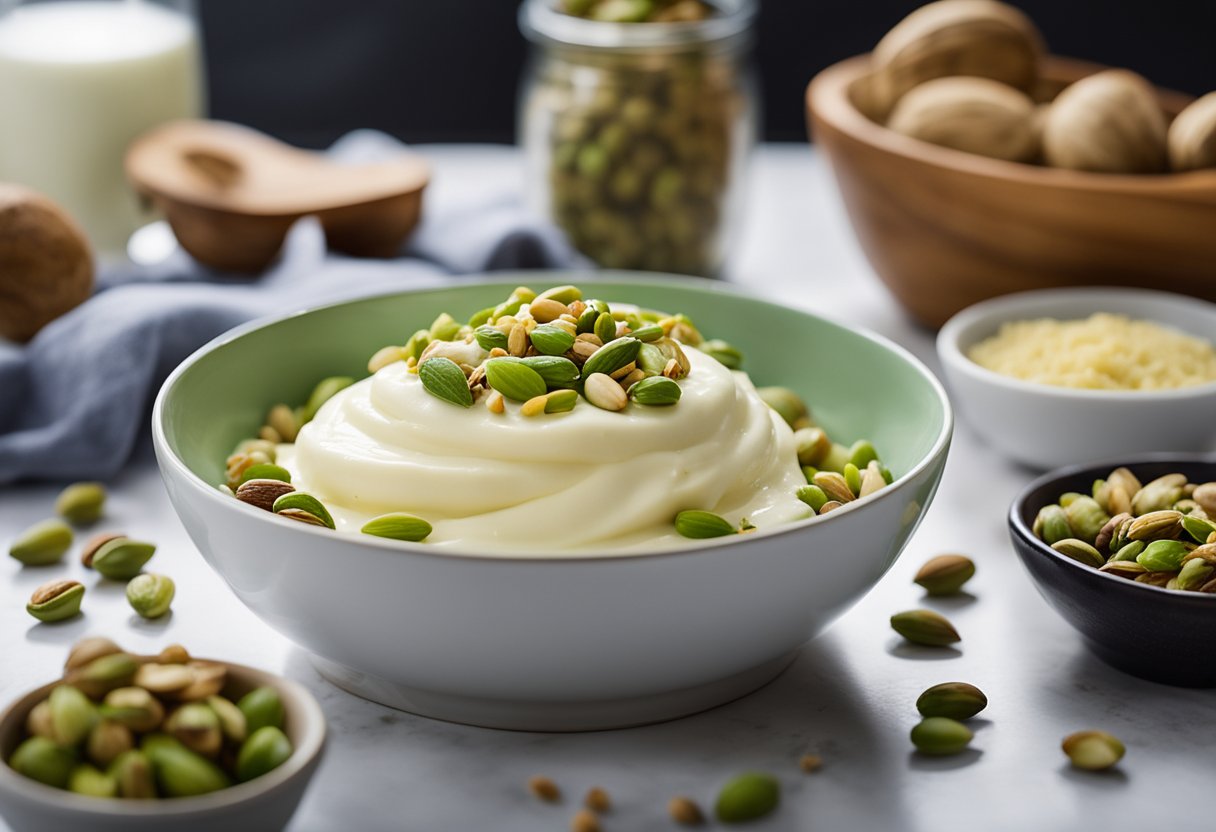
x=79, y=79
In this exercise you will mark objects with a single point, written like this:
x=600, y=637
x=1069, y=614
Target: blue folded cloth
x=74, y=401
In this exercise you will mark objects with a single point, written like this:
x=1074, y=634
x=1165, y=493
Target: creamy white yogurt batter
x=571, y=483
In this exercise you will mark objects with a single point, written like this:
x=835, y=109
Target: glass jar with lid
x=637, y=134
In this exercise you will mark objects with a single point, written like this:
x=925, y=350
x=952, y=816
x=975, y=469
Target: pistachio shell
x=1156, y=525
x=56, y=601
x=261, y=493
x=398, y=526
x=1080, y=551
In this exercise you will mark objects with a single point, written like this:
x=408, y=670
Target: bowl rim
x=827, y=100
x=305, y=709
x=984, y=312
x=1023, y=532
x=168, y=458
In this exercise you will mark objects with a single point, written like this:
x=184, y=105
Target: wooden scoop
x=231, y=193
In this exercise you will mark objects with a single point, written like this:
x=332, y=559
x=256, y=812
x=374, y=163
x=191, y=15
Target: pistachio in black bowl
x=1161, y=634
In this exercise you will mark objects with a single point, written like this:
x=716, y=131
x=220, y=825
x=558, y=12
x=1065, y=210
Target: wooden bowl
x=945, y=229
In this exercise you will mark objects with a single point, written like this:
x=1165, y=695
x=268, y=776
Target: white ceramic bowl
x=550, y=642
x=261, y=805
x=1044, y=426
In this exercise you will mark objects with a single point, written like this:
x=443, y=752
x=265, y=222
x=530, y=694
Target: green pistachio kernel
x=41, y=759
x=443, y=379
x=655, y=391
x=325, y=390
x=301, y=501
x=489, y=338
x=81, y=503
x=722, y=352
x=150, y=595
x=482, y=317
x=612, y=356
x=651, y=359
x=747, y=797
x=1198, y=528
x=261, y=706
x=1051, y=524
x=416, y=343
x=953, y=700
x=700, y=525
x=266, y=749
x=398, y=526
x=940, y=736
x=265, y=471
x=1130, y=551
x=560, y=401
x=586, y=321
x=852, y=477
x=87, y=780
x=566, y=294
x=514, y=379
x=72, y=715
x=42, y=543
x=181, y=772
x=554, y=369
x=121, y=559
x=551, y=340
x=813, y=496
x=605, y=327
x=1093, y=750
x=1163, y=556
x=649, y=332
x=925, y=627
x=444, y=328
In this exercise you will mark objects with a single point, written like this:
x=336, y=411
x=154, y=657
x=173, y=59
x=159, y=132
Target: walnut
x=1109, y=122
x=1192, y=136
x=976, y=115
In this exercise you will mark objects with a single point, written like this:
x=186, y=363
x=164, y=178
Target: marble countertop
x=849, y=697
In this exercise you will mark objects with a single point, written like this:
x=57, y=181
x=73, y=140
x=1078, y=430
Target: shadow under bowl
x=264, y=804
x=1162, y=635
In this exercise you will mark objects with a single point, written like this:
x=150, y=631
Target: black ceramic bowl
x=1163, y=635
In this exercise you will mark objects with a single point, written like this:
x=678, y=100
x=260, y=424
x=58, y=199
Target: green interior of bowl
x=856, y=387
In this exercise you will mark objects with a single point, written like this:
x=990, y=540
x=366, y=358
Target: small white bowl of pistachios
x=1067, y=376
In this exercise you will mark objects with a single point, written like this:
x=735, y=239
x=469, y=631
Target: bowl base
x=555, y=716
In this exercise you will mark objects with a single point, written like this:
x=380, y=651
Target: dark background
x=310, y=70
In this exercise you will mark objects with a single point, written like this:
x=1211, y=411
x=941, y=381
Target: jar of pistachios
x=637, y=117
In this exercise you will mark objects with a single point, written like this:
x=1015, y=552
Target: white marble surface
x=848, y=697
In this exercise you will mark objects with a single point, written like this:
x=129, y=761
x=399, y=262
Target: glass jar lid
x=541, y=22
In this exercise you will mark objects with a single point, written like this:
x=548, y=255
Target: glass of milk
x=79, y=80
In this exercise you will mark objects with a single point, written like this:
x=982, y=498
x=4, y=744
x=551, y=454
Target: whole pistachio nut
x=266, y=749
x=1051, y=524
x=1093, y=750
x=1086, y=518
x=87, y=780
x=953, y=700
x=179, y=771
x=150, y=595
x=945, y=574
x=86, y=650
x=133, y=707
x=72, y=715
x=1103, y=541
x=232, y=720
x=925, y=627
x=107, y=741
x=38, y=758
x=1163, y=556
x=132, y=772
x=1205, y=495
x=42, y=543
x=297, y=501
x=1159, y=494
x=1156, y=525
x=81, y=503
x=103, y=674
x=834, y=485
x=196, y=726
x=1080, y=551
x=122, y=559
x=56, y=601
x=1125, y=479
x=38, y=721
x=940, y=736
x=788, y=404
x=261, y=706
x=747, y=797
x=94, y=544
